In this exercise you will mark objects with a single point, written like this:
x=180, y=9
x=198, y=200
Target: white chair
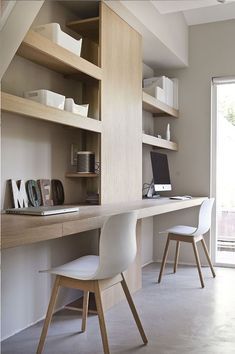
x=192, y=235
x=117, y=250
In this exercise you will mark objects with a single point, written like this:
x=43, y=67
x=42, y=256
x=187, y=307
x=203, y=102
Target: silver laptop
x=43, y=211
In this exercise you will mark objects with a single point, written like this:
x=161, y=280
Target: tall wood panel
x=121, y=109
x=121, y=112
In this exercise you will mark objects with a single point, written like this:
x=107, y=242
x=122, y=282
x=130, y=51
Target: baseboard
x=181, y=263
x=35, y=322
x=224, y=265
x=31, y=324
x=147, y=263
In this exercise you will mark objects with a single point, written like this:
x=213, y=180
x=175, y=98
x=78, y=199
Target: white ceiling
x=164, y=25
x=198, y=11
x=166, y=7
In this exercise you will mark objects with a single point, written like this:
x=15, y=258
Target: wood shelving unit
x=88, y=28
x=28, y=108
x=160, y=143
x=44, y=52
x=84, y=68
x=81, y=175
x=158, y=108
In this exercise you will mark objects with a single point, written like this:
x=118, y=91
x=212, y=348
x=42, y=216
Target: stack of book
x=92, y=198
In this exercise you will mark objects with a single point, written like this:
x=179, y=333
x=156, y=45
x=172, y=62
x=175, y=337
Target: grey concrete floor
x=178, y=316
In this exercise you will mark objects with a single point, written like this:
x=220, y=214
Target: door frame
x=213, y=164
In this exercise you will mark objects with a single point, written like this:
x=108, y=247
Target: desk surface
x=20, y=230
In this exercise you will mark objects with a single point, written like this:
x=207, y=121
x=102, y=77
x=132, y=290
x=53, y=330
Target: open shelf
x=44, y=52
x=28, y=108
x=158, y=108
x=80, y=175
x=88, y=28
x=160, y=143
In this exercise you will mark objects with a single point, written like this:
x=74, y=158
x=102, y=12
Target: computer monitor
x=161, y=175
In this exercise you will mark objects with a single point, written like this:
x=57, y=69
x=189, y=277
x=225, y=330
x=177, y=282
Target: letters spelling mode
x=35, y=193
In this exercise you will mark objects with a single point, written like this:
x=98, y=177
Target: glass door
x=223, y=171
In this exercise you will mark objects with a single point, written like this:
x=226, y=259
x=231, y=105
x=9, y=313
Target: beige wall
x=25, y=291
x=211, y=53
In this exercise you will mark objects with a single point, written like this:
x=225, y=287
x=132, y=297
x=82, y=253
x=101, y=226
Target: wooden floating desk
x=18, y=230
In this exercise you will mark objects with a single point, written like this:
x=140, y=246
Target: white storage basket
x=156, y=91
x=46, y=97
x=70, y=106
x=53, y=32
x=165, y=84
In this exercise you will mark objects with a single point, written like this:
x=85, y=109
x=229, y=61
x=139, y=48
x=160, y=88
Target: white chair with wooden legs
x=117, y=250
x=181, y=233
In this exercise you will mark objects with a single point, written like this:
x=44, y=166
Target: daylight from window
x=226, y=174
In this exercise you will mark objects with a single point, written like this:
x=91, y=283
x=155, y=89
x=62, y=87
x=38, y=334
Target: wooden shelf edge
x=29, y=108
x=158, y=108
x=88, y=27
x=81, y=175
x=161, y=143
x=41, y=50
x=84, y=20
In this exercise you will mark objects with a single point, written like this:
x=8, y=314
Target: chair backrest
x=204, y=220
x=117, y=245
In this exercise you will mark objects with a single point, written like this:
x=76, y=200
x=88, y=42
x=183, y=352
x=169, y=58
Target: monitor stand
x=151, y=191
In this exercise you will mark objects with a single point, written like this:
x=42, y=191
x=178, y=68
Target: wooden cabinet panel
x=121, y=109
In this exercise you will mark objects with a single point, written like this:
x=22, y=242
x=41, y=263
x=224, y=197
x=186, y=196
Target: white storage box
x=165, y=84
x=160, y=94
x=71, y=106
x=156, y=92
x=46, y=97
x=53, y=32
x=169, y=92
x=175, y=93
x=150, y=81
x=150, y=90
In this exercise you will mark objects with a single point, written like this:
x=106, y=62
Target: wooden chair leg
x=85, y=310
x=49, y=314
x=100, y=312
x=133, y=309
x=198, y=263
x=164, y=259
x=176, y=255
x=208, y=257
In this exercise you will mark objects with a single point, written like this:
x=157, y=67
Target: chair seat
x=182, y=230
x=117, y=250
x=83, y=268
x=183, y=233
